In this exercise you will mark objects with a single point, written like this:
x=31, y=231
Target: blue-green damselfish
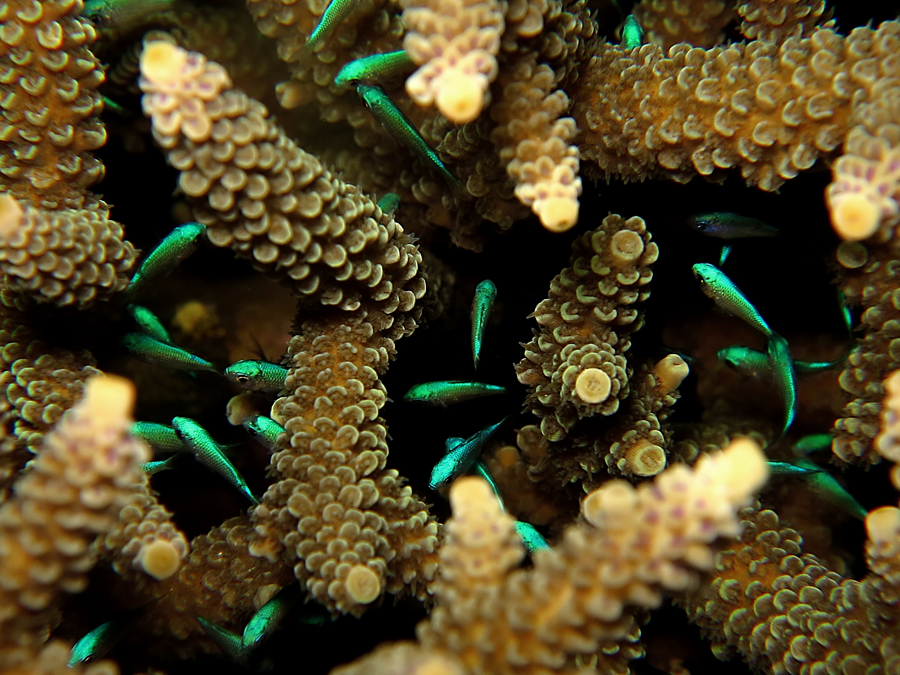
x=727, y=225
x=230, y=643
x=461, y=458
x=331, y=18
x=781, y=364
x=156, y=353
x=446, y=392
x=389, y=203
x=123, y=15
x=264, y=430
x=531, y=538
x=788, y=469
x=148, y=323
x=374, y=69
x=257, y=375
x=728, y=297
x=632, y=33
x=756, y=364
x=826, y=486
x=99, y=642
x=177, y=246
x=482, y=304
x=160, y=437
x=268, y=617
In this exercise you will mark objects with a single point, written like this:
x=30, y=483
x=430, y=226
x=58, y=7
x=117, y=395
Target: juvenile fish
x=264, y=430
x=632, y=33
x=156, y=353
x=813, y=442
x=154, y=467
x=389, y=203
x=99, y=642
x=788, y=469
x=728, y=297
x=826, y=486
x=257, y=375
x=123, y=15
x=447, y=392
x=148, y=322
x=482, y=304
x=725, y=253
x=266, y=620
x=459, y=460
x=401, y=129
x=782, y=365
x=532, y=539
x=160, y=437
x=210, y=454
x=230, y=643
x=177, y=246
x=756, y=364
x=331, y=18
x=727, y=225
x=374, y=69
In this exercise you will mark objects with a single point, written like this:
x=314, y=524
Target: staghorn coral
x=696, y=22
x=777, y=20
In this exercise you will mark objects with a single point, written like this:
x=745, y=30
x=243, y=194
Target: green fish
x=401, y=129
x=99, y=642
x=480, y=469
x=331, y=18
x=210, y=454
x=374, y=69
x=149, y=323
x=726, y=225
x=177, y=246
x=266, y=620
x=160, y=437
x=728, y=297
x=846, y=313
x=446, y=392
x=461, y=458
x=264, y=430
x=756, y=364
x=156, y=353
x=123, y=15
x=788, y=469
x=389, y=203
x=725, y=253
x=813, y=442
x=782, y=365
x=257, y=375
x=632, y=33
x=826, y=486
x=482, y=303
x=113, y=107
x=230, y=643
x=154, y=467
x=532, y=539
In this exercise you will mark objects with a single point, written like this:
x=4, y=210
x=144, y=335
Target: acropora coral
x=639, y=455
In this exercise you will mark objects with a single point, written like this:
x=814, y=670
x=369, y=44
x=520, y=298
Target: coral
x=53, y=659
x=71, y=495
x=696, y=22
x=777, y=20
x=50, y=123
x=454, y=43
x=63, y=257
x=576, y=367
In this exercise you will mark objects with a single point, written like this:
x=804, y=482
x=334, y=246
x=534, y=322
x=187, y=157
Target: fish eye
x=242, y=379
x=87, y=659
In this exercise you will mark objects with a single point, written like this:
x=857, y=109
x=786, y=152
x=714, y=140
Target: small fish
x=156, y=353
x=177, y=246
x=812, y=443
x=788, y=469
x=210, y=454
x=230, y=643
x=160, y=437
x=154, y=467
x=784, y=376
x=123, y=15
x=846, y=313
x=99, y=642
x=756, y=364
x=480, y=469
x=532, y=539
x=113, y=107
x=331, y=18
x=264, y=430
x=826, y=486
x=374, y=69
x=266, y=620
x=401, y=129
x=149, y=323
x=462, y=457
x=389, y=203
x=725, y=253
x=728, y=297
x=257, y=375
x=446, y=392
x=632, y=33
x=726, y=225
x=482, y=303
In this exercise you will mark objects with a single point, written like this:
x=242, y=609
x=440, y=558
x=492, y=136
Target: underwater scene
x=449, y=337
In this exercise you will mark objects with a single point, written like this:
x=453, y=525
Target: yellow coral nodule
x=645, y=459
x=162, y=61
x=160, y=559
x=109, y=399
x=626, y=246
x=363, y=585
x=460, y=97
x=11, y=213
x=854, y=216
x=883, y=524
x=852, y=254
x=670, y=373
x=557, y=214
x=593, y=386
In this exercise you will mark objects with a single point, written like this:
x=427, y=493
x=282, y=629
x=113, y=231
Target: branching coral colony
x=640, y=500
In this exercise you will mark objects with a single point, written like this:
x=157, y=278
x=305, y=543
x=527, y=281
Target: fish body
x=154, y=467
x=446, y=392
x=482, y=304
x=532, y=539
x=401, y=129
x=257, y=375
x=230, y=643
x=209, y=453
x=632, y=33
x=756, y=364
x=727, y=225
x=266, y=620
x=331, y=18
x=160, y=437
x=389, y=203
x=826, y=486
x=263, y=429
x=113, y=107
x=784, y=376
x=459, y=460
x=123, y=15
x=156, y=353
x=480, y=469
x=728, y=297
x=177, y=246
x=725, y=253
x=148, y=322
x=374, y=69
x=98, y=643
x=788, y=469
x=813, y=442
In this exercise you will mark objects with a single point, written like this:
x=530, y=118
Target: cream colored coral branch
x=697, y=22
x=454, y=43
x=777, y=20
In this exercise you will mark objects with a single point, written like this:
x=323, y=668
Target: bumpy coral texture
x=64, y=257
x=53, y=659
x=575, y=366
x=455, y=43
x=50, y=121
x=777, y=20
x=71, y=495
x=266, y=198
x=696, y=22
x=355, y=529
